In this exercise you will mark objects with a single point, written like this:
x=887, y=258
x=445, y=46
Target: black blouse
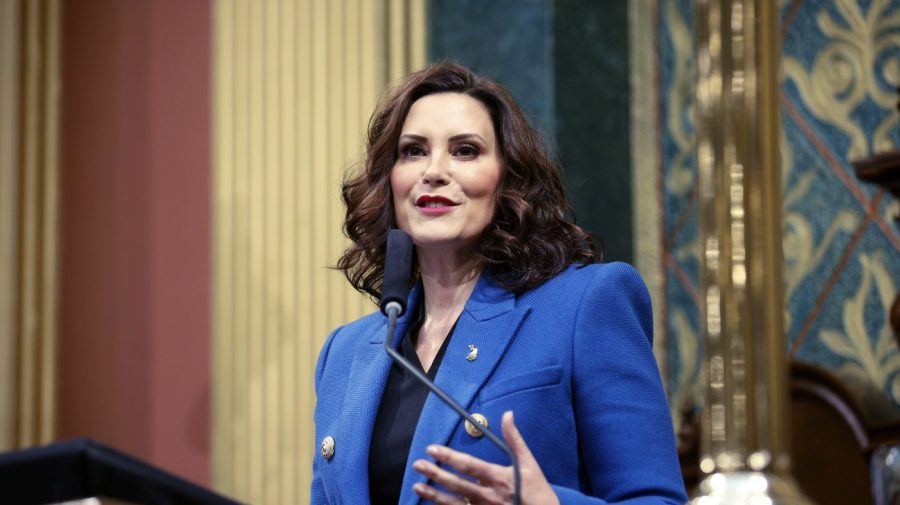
x=398, y=415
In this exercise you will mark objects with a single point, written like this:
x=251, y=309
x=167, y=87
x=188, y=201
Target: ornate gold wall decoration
x=803, y=250
x=829, y=217
x=844, y=73
x=839, y=73
x=873, y=361
x=681, y=178
x=744, y=433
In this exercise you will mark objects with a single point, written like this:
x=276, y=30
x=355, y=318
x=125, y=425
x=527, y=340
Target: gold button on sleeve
x=327, y=448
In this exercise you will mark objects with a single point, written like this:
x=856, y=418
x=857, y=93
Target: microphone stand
x=393, y=310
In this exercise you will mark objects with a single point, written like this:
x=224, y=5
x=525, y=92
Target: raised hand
x=492, y=484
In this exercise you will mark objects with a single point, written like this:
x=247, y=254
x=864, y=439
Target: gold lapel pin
x=473, y=352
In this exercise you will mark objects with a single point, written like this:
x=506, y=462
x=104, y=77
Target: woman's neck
x=447, y=280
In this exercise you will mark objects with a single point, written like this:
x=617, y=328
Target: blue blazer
x=571, y=358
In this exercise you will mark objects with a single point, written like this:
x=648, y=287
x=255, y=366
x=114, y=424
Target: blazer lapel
x=489, y=322
x=371, y=365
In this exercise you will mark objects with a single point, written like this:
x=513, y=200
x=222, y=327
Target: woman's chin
x=443, y=244
x=432, y=241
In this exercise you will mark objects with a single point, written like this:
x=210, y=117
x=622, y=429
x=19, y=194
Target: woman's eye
x=412, y=150
x=466, y=151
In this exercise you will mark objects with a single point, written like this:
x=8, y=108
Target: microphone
x=394, y=292
x=397, y=269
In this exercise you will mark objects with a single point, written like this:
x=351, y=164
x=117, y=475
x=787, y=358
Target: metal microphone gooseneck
x=395, y=289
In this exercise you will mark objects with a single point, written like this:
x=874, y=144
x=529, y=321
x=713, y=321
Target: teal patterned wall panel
x=840, y=70
x=679, y=212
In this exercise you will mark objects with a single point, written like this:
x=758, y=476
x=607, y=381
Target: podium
x=84, y=471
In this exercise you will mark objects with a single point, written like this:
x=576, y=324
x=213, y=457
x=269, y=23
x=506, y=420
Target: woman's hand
x=493, y=484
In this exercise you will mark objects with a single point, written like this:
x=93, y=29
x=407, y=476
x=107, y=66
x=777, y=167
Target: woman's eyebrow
x=467, y=136
x=455, y=138
x=414, y=137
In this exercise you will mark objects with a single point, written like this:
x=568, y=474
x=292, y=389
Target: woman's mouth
x=434, y=201
x=433, y=204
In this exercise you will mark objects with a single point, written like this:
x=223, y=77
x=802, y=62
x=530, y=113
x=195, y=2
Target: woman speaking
x=510, y=314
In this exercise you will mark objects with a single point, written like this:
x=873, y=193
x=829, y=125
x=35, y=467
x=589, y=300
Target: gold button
x=327, y=447
x=473, y=430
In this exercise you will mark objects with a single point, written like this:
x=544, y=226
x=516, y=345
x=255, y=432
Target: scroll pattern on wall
x=840, y=70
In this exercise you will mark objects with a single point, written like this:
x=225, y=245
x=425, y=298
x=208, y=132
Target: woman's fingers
x=480, y=470
x=452, y=482
x=494, y=483
x=462, y=490
x=535, y=488
x=514, y=438
x=433, y=495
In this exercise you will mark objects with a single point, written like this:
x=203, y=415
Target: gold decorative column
x=744, y=448
x=295, y=82
x=644, y=118
x=29, y=177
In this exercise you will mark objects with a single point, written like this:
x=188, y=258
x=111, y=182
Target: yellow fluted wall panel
x=29, y=146
x=52, y=91
x=294, y=84
x=9, y=87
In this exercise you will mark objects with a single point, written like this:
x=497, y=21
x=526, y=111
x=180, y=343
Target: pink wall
x=135, y=355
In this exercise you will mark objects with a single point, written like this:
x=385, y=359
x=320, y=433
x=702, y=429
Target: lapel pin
x=473, y=352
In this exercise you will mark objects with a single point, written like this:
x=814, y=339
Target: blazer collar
x=377, y=337
x=490, y=321
x=371, y=365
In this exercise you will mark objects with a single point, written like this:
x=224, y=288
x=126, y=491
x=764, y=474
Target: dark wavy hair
x=533, y=236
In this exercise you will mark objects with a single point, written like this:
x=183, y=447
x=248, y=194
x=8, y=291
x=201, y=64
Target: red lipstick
x=434, y=205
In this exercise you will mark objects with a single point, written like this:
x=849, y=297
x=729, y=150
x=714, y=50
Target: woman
x=508, y=315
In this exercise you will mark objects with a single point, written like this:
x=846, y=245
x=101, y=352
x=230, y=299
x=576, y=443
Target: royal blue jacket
x=572, y=358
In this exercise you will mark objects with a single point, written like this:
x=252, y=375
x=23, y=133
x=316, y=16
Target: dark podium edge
x=82, y=468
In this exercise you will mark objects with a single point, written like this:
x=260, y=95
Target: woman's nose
x=436, y=170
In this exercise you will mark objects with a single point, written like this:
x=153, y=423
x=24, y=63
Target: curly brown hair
x=533, y=236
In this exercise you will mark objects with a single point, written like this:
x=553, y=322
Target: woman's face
x=444, y=181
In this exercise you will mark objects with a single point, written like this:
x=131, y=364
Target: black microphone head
x=397, y=269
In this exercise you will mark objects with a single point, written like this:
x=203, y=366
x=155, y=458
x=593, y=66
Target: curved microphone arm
x=393, y=310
